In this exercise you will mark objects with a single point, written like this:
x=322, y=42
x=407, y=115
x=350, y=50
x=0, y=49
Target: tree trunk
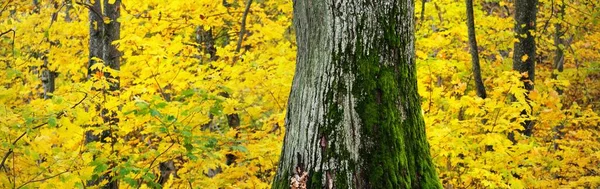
x=559, y=55
x=524, y=49
x=102, y=34
x=474, y=51
x=354, y=116
x=559, y=60
x=47, y=77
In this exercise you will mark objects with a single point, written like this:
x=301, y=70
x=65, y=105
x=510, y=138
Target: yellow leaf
x=421, y=54
x=524, y=58
x=106, y=19
x=517, y=184
x=229, y=106
x=86, y=172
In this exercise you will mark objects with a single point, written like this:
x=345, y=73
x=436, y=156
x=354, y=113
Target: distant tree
x=354, y=115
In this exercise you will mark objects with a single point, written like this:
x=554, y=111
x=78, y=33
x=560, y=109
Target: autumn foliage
x=185, y=71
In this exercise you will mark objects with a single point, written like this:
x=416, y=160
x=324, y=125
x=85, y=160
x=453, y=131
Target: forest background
x=203, y=86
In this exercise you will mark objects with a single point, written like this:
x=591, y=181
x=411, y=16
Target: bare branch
x=42, y=179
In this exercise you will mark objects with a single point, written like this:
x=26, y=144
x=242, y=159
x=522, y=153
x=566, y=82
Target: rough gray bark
x=480, y=88
x=525, y=18
x=100, y=46
x=354, y=116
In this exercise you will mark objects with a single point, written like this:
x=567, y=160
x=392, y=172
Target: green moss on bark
x=393, y=151
x=377, y=91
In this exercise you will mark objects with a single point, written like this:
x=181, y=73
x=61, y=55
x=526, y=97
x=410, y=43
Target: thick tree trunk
x=102, y=34
x=354, y=116
x=474, y=51
x=524, y=49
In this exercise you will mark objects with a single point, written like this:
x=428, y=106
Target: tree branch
x=90, y=7
x=42, y=179
x=243, y=26
x=5, y=6
x=13, y=39
x=8, y=31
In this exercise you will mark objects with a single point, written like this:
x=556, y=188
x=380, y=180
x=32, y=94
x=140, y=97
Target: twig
x=58, y=116
x=551, y=14
x=13, y=39
x=243, y=26
x=3, y=33
x=43, y=179
x=90, y=7
x=5, y=6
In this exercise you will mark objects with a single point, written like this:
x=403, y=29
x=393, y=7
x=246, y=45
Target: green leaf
x=188, y=93
x=211, y=143
x=170, y=118
x=163, y=129
x=100, y=167
x=161, y=105
x=154, y=112
x=132, y=182
x=149, y=177
x=240, y=148
x=188, y=146
x=52, y=121
x=141, y=105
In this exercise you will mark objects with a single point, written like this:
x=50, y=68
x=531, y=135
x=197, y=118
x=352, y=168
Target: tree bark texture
x=525, y=18
x=480, y=88
x=102, y=34
x=354, y=115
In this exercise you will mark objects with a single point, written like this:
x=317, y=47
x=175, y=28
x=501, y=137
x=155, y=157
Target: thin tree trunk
x=559, y=55
x=243, y=26
x=524, y=50
x=422, y=11
x=100, y=46
x=559, y=60
x=354, y=116
x=480, y=88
